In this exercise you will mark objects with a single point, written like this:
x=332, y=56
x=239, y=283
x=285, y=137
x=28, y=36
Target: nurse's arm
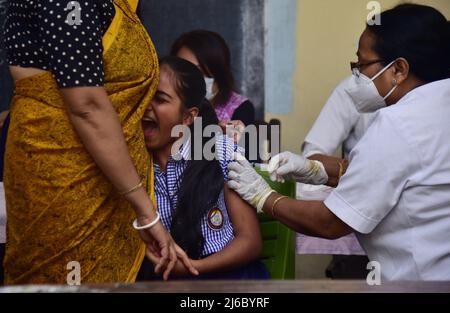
x=335, y=167
x=311, y=218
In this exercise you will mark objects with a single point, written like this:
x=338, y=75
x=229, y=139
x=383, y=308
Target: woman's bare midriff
x=19, y=73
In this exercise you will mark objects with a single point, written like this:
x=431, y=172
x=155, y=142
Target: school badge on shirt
x=215, y=219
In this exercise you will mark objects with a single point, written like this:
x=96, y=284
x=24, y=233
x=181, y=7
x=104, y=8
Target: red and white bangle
x=148, y=226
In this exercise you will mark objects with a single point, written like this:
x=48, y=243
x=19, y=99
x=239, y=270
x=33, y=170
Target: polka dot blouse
x=64, y=37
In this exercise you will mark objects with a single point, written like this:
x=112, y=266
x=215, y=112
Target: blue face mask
x=365, y=94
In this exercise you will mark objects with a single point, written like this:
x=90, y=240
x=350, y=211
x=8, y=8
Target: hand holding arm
x=233, y=129
x=248, y=183
x=311, y=218
x=289, y=166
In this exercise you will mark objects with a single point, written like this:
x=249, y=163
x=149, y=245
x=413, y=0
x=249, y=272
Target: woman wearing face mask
x=210, y=53
x=396, y=192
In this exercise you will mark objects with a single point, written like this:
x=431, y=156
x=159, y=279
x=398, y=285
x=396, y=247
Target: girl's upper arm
x=242, y=215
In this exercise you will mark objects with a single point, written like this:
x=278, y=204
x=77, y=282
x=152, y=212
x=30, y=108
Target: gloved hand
x=289, y=166
x=233, y=129
x=248, y=183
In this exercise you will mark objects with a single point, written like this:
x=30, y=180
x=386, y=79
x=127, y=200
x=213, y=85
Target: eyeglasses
x=356, y=66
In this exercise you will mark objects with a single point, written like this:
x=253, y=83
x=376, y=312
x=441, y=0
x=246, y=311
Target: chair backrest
x=278, y=240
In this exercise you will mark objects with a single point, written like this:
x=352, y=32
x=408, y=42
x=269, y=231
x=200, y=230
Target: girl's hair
x=214, y=59
x=418, y=33
x=202, y=181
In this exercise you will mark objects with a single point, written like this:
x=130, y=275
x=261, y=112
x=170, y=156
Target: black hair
x=202, y=180
x=418, y=33
x=214, y=58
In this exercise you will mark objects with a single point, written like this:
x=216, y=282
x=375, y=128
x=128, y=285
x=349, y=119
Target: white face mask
x=365, y=94
x=209, y=88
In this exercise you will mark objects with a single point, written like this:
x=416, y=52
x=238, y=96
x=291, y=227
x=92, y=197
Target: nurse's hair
x=202, y=180
x=418, y=33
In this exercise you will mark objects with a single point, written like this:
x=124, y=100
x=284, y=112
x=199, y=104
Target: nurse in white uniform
x=339, y=125
x=396, y=192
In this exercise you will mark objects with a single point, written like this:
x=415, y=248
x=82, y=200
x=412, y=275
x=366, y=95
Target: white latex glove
x=289, y=166
x=248, y=183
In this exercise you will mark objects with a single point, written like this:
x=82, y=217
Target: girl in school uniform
x=218, y=230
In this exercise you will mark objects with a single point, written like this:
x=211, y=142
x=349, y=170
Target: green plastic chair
x=278, y=253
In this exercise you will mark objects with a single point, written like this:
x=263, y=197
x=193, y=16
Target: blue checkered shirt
x=217, y=228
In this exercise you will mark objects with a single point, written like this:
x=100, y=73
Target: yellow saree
x=60, y=207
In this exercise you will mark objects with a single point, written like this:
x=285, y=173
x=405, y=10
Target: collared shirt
x=396, y=192
x=217, y=228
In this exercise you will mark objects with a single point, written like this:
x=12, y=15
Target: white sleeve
x=334, y=124
x=380, y=167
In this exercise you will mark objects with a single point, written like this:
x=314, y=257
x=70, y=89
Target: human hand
x=166, y=250
x=289, y=166
x=233, y=129
x=248, y=183
x=160, y=242
x=179, y=270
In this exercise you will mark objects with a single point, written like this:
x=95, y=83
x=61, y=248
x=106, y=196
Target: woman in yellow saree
x=75, y=157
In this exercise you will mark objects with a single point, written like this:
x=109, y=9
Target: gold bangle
x=342, y=168
x=141, y=184
x=275, y=203
x=314, y=166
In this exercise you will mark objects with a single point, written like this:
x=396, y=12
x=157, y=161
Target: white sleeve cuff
x=349, y=215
